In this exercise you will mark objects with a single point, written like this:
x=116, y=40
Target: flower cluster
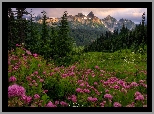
x=16, y=90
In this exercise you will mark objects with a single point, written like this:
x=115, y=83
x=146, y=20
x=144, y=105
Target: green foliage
x=17, y=28
x=51, y=84
x=126, y=39
x=124, y=65
x=64, y=42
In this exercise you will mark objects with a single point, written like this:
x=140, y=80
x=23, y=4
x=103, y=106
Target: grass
x=97, y=79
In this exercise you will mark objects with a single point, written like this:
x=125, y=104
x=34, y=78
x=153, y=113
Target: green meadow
x=95, y=79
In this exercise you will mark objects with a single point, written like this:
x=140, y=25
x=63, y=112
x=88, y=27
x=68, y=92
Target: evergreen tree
x=63, y=42
x=17, y=28
x=45, y=41
x=32, y=40
x=11, y=31
x=21, y=24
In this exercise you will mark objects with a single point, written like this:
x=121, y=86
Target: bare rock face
x=112, y=24
x=90, y=15
x=50, y=20
x=80, y=15
x=109, y=22
x=77, y=18
x=96, y=20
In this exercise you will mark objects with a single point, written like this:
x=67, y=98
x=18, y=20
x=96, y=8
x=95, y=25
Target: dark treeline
x=84, y=34
x=48, y=41
x=126, y=39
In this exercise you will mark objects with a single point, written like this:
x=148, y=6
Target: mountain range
x=87, y=28
x=109, y=22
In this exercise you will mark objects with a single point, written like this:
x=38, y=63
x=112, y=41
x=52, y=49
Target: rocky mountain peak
x=109, y=22
x=80, y=15
x=90, y=15
x=108, y=17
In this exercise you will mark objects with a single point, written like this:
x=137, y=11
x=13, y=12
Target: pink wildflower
x=69, y=98
x=16, y=90
x=51, y=73
x=127, y=86
x=33, y=81
x=144, y=85
x=56, y=102
x=106, y=91
x=12, y=79
x=41, y=80
x=78, y=90
x=116, y=104
x=30, y=84
x=27, y=99
x=97, y=67
x=28, y=52
x=105, y=83
x=74, y=99
x=86, y=90
x=82, y=84
x=89, y=70
x=44, y=72
x=17, y=45
x=95, y=83
x=92, y=99
x=141, y=81
x=38, y=77
x=35, y=55
x=71, y=74
x=133, y=84
x=56, y=69
x=36, y=96
x=28, y=78
x=116, y=87
x=36, y=72
x=63, y=103
x=102, y=104
x=137, y=94
x=95, y=99
x=102, y=71
x=108, y=96
x=80, y=81
x=72, y=67
x=45, y=91
x=131, y=105
x=64, y=75
x=139, y=97
x=50, y=104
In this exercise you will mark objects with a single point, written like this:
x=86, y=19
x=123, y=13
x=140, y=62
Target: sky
x=134, y=14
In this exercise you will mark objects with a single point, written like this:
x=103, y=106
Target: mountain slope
x=86, y=29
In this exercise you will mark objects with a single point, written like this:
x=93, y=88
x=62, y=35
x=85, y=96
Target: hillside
x=86, y=29
x=84, y=84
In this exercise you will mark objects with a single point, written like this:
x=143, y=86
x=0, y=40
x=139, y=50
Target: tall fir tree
x=64, y=41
